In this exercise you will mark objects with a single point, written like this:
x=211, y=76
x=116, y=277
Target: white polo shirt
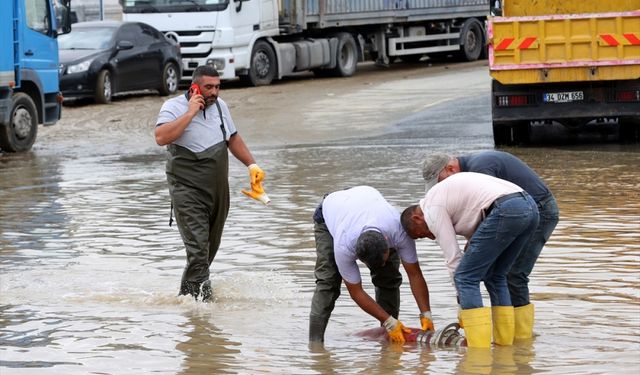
x=348, y=213
x=204, y=130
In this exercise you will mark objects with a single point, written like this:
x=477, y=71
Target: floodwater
x=90, y=268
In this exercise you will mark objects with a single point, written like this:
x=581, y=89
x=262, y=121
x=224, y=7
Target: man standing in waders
x=198, y=129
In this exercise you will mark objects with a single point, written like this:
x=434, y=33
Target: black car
x=101, y=58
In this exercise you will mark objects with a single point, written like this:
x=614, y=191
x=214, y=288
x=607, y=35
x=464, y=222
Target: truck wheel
x=501, y=134
x=20, y=134
x=347, y=55
x=263, y=65
x=629, y=130
x=522, y=132
x=471, y=40
x=511, y=133
x=103, y=87
x=169, y=79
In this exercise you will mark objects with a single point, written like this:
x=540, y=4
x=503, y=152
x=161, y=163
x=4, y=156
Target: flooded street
x=90, y=269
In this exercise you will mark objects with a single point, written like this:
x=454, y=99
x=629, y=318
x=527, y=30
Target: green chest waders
x=199, y=189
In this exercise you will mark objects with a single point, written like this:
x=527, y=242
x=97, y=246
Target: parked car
x=101, y=58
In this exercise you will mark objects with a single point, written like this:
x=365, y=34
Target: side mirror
x=239, y=6
x=124, y=45
x=62, y=9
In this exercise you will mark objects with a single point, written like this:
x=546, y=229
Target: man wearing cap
x=358, y=223
x=438, y=166
x=497, y=218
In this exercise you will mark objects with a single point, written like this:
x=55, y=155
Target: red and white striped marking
x=519, y=43
x=614, y=40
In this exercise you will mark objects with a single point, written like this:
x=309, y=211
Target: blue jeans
x=493, y=249
x=518, y=277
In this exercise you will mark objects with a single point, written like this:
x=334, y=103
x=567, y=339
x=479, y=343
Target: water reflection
x=322, y=360
x=207, y=347
x=90, y=268
x=33, y=179
x=506, y=360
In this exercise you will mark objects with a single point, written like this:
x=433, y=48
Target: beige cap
x=432, y=166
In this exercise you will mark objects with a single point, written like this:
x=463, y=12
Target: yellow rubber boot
x=524, y=321
x=477, y=326
x=504, y=327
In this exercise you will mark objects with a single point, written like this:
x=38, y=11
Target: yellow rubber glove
x=257, y=193
x=426, y=322
x=395, y=329
x=256, y=174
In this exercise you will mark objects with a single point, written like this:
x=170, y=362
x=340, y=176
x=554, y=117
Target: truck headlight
x=79, y=68
x=217, y=64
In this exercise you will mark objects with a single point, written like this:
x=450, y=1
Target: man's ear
x=417, y=216
x=455, y=166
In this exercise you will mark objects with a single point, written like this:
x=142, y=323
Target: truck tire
x=471, y=40
x=629, y=130
x=501, y=134
x=170, y=79
x=263, y=65
x=346, y=55
x=20, y=134
x=511, y=133
x=103, y=92
x=521, y=132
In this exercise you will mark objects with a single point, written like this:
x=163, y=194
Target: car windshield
x=160, y=6
x=87, y=38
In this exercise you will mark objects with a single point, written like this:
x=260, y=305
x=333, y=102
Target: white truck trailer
x=262, y=40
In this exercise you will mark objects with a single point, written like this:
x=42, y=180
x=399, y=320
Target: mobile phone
x=194, y=90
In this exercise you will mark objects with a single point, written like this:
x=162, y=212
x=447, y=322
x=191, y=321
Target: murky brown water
x=90, y=269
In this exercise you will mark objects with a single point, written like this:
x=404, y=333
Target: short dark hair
x=371, y=247
x=405, y=218
x=204, y=70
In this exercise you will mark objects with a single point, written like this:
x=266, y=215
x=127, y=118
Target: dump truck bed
x=520, y=8
x=565, y=47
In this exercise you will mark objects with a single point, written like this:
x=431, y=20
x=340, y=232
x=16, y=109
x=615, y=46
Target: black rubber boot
x=189, y=288
x=317, y=326
x=205, y=291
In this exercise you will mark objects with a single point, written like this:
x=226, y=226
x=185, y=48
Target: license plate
x=564, y=97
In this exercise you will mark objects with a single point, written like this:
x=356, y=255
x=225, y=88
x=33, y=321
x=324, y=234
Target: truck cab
x=29, y=91
x=209, y=32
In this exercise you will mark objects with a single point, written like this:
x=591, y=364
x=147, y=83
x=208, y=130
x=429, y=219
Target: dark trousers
x=387, y=281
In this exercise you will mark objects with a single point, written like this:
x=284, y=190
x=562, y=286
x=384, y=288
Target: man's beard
x=210, y=100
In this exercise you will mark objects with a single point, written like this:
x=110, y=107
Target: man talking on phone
x=198, y=130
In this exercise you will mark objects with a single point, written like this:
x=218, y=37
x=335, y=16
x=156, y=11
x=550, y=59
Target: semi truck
x=574, y=63
x=259, y=41
x=29, y=93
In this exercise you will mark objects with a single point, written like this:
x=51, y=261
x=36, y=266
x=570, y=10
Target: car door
x=127, y=62
x=37, y=35
x=150, y=44
x=245, y=18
